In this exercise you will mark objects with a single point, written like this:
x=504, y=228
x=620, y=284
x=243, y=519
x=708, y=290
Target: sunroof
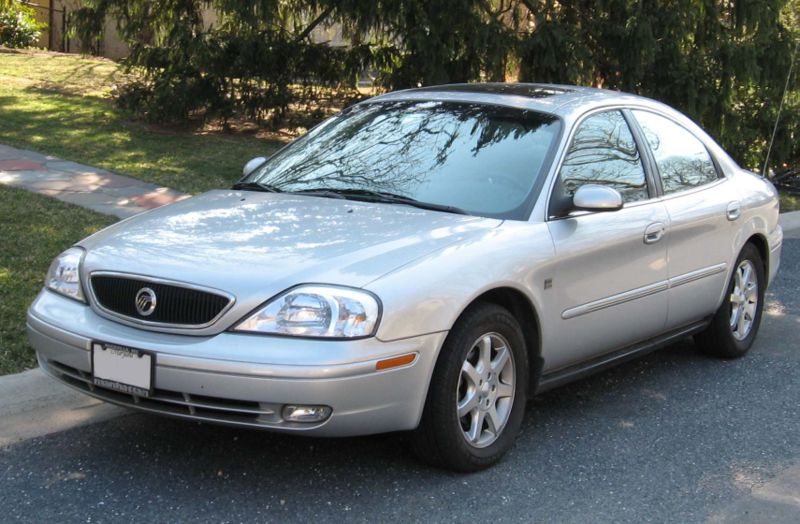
x=526, y=90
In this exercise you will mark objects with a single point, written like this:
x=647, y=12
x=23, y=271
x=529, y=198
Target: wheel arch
x=752, y=231
x=525, y=312
x=761, y=244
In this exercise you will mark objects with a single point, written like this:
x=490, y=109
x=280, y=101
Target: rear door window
x=682, y=159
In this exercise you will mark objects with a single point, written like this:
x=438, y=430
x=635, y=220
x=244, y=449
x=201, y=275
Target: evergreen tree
x=724, y=63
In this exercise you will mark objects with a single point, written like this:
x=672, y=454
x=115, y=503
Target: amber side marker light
x=395, y=361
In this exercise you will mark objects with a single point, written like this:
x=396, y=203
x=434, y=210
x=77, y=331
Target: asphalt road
x=673, y=437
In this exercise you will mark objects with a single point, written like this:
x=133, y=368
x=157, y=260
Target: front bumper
x=244, y=379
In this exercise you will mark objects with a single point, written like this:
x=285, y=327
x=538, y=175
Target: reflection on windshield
x=480, y=158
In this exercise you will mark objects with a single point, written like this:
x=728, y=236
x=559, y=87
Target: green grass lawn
x=62, y=72
x=60, y=105
x=35, y=229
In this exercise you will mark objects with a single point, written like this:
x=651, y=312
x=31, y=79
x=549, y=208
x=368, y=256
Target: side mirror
x=592, y=197
x=252, y=165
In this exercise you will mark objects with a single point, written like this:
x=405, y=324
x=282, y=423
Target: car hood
x=255, y=245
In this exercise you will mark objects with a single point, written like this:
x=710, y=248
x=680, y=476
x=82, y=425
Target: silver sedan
x=424, y=261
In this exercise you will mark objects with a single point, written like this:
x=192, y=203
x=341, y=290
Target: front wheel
x=476, y=400
x=735, y=324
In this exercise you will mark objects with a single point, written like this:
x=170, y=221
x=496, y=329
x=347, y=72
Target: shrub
x=18, y=25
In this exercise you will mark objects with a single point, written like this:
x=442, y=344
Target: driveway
x=672, y=437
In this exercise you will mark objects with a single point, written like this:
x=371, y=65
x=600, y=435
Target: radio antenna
x=780, y=108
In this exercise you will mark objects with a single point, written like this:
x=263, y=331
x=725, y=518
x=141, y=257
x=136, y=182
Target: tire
x=735, y=324
x=489, y=395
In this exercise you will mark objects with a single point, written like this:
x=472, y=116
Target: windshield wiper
x=369, y=195
x=256, y=186
x=320, y=192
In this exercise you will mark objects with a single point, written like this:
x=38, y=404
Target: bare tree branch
x=314, y=23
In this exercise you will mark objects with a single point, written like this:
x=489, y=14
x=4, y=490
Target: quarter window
x=682, y=159
x=603, y=152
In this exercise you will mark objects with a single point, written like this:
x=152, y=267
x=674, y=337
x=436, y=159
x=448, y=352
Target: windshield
x=477, y=158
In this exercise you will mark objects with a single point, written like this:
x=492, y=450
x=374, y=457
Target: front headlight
x=317, y=311
x=64, y=274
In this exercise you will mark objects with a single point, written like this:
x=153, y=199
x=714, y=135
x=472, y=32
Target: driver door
x=610, y=283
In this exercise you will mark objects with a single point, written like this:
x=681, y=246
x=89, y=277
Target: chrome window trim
x=135, y=322
x=693, y=190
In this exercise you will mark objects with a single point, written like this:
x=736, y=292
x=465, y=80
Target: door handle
x=653, y=233
x=734, y=210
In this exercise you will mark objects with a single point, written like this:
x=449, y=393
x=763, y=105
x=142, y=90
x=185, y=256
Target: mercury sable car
x=424, y=261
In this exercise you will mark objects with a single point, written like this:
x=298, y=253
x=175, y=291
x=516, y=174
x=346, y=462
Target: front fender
x=429, y=294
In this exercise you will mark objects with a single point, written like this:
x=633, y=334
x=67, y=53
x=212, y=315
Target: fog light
x=294, y=413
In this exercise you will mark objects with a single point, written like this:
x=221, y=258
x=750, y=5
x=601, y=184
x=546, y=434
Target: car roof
x=557, y=99
x=568, y=102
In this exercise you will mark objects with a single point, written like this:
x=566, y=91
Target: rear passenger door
x=703, y=207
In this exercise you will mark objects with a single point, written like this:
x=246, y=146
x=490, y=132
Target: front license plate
x=123, y=369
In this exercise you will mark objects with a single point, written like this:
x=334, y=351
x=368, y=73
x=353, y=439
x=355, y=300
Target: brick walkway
x=90, y=187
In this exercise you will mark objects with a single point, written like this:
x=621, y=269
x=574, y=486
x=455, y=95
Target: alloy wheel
x=744, y=300
x=485, y=393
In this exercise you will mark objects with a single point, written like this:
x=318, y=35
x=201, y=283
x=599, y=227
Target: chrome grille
x=176, y=304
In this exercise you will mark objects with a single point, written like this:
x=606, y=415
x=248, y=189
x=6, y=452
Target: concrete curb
x=790, y=222
x=33, y=404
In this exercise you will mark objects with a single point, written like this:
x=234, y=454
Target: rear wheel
x=476, y=400
x=735, y=324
